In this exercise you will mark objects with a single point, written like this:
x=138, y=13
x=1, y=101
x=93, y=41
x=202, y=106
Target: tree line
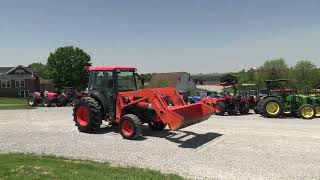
x=65, y=66
x=304, y=74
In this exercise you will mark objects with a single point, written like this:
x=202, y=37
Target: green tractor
x=282, y=100
x=314, y=94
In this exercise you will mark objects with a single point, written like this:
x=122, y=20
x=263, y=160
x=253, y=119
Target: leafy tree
x=305, y=74
x=40, y=69
x=67, y=67
x=274, y=69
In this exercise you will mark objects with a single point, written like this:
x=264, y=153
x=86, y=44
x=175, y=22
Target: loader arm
x=168, y=105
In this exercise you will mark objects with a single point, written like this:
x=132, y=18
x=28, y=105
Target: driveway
x=237, y=147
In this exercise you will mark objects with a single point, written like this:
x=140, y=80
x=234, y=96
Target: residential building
x=182, y=81
x=18, y=81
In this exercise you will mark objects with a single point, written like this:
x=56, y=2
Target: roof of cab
x=111, y=68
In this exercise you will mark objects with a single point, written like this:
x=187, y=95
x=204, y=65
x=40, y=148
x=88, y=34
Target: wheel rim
x=83, y=115
x=127, y=128
x=31, y=101
x=318, y=111
x=273, y=108
x=307, y=112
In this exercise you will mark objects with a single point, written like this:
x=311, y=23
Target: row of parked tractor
x=69, y=96
x=113, y=96
x=277, y=100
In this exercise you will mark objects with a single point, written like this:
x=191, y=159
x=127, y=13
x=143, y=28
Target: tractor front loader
x=113, y=96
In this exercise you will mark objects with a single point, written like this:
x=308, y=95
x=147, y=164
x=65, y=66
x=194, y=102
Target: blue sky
x=164, y=35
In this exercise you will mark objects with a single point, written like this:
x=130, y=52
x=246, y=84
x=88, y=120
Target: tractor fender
x=282, y=100
x=264, y=97
x=101, y=99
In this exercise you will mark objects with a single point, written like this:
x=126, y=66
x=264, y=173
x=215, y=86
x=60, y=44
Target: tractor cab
x=106, y=81
x=280, y=87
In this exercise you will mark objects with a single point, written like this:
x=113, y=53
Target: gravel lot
x=238, y=147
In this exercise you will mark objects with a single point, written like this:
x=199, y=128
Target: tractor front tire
x=61, y=101
x=244, y=109
x=258, y=109
x=272, y=107
x=130, y=126
x=317, y=108
x=87, y=115
x=47, y=102
x=74, y=101
x=306, y=111
x=220, y=108
x=32, y=100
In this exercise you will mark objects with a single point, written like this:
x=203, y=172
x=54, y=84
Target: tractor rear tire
x=232, y=112
x=87, y=115
x=258, y=109
x=306, y=111
x=272, y=107
x=220, y=108
x=32, y=100
x=61, y=101
x=157, y=126
x=317, y=108
x=74, y=101
x=244, y=109
x=47, y=102
x=130, y=126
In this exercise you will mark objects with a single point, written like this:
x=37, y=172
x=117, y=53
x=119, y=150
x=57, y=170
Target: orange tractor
x=113, y=96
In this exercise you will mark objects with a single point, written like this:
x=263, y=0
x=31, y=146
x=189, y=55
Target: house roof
x=207, y=77
x=171, y=77
x=212, y=76
x=4, y=70
x=5, y=73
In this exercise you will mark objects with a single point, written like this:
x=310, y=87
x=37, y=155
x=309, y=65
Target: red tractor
x=231, y=104
x=70, y=95
x=46, y=98
x=113, y=96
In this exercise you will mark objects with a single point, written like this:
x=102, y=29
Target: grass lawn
x=22, y=166
x=13, y=103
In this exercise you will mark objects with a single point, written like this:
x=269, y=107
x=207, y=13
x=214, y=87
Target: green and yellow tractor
x=314, y=94
x=282, y=100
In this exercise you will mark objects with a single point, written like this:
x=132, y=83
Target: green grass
x=22, y=166
x=5, y=100
x=13, y=103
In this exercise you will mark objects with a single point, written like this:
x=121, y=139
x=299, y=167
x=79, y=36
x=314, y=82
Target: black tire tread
x=264, y=103
x=47, y=101
x=299, y=112
x=223, y=108
x=95, y=115
x=35, y=102
x=137, y=123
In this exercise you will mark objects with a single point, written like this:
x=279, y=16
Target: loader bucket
x=188, y=115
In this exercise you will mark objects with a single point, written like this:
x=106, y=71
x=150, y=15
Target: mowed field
x=223, y=147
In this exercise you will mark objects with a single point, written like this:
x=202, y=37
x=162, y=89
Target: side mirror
x=138, y=76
